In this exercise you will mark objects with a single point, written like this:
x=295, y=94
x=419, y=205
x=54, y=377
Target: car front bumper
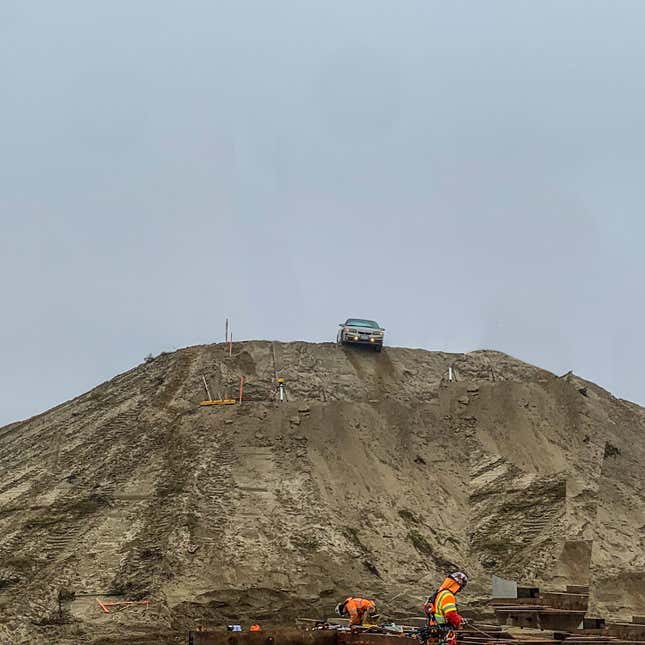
x=362, y=339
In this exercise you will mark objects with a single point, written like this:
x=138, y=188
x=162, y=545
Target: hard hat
x=460, y=578
x=340, y=608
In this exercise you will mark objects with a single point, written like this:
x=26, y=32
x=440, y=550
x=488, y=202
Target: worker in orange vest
x=255, y=628
x=441, y=607
x=358, y=610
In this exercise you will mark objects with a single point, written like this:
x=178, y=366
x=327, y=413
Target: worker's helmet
x=460, y=578
x=371, y=610
x=340, y=608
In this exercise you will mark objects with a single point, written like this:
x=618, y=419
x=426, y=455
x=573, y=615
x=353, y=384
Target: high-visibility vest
x=443, y=604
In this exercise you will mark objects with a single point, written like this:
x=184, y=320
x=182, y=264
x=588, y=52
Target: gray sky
x=470, y=174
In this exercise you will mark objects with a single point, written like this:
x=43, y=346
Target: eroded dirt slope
x=374, y=478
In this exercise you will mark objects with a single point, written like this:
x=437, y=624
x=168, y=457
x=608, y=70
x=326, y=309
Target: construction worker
x=358, y=609
x=441, y=607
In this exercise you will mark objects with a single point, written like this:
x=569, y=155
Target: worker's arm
x=355, y=617
x=454, y=619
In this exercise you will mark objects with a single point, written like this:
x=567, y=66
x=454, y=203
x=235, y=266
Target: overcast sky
x=468, y=173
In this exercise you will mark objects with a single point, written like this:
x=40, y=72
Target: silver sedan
x=358, y=331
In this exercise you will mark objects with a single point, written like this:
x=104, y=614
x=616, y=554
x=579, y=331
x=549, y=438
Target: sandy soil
x=375, y=478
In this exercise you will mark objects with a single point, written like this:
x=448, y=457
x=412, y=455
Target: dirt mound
x=374, y=478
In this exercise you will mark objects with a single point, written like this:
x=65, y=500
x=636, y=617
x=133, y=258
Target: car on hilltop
x=359, y=331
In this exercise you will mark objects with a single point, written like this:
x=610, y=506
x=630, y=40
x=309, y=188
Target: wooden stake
x=226, y=332
x=230, y=345
x=275, y=369
x=241, y=388
x=208, y=393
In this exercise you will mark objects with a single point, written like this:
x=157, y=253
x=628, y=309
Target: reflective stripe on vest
x=443, y=605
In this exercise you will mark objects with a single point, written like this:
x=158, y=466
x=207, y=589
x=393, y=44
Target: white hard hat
x=460, y=578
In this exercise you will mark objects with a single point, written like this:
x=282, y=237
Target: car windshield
x=357, y=322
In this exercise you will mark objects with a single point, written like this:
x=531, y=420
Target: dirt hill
x=376, y=477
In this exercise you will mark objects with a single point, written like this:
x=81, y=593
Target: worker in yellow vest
x=441, y=607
